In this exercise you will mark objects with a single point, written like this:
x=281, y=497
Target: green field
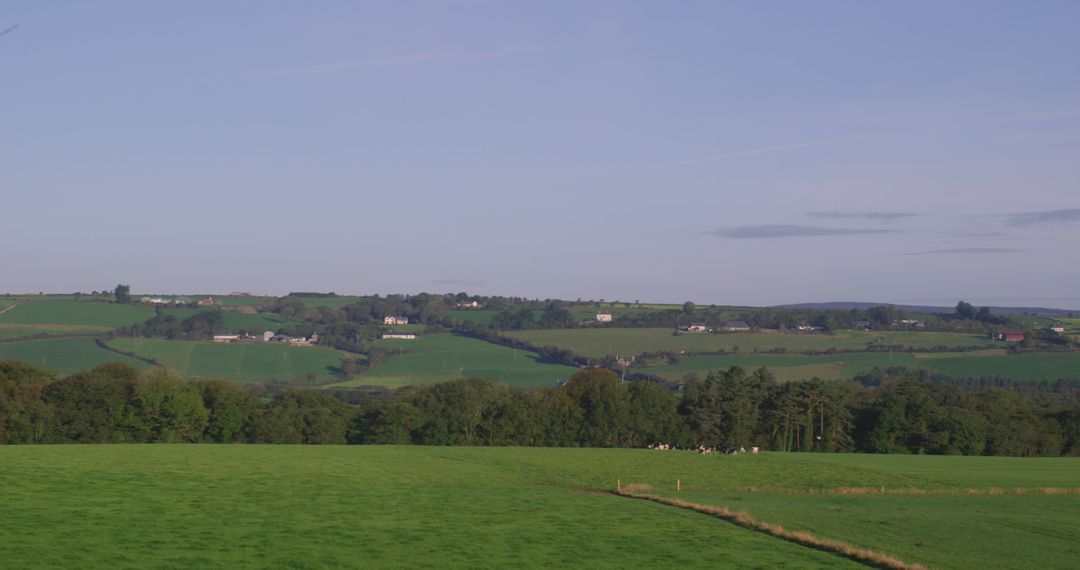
x=63, y=355
x=444, y=507
x=438, y=357
x=235, y=322
x=84, y=313
x=599, y=342
x=1032, y=366
x=786, y=367
x=244, y=363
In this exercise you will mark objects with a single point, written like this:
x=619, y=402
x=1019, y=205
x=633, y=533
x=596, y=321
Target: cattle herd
x=704, y=449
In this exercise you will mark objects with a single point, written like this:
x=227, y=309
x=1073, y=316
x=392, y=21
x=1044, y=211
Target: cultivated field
x=235, y=322
x=244, y=363
x=203, y=506
x=63, y=355
x=439, y=357
x=599, y=342
x=786, y=367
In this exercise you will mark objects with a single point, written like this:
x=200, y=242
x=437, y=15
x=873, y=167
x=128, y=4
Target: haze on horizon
x=730, y=153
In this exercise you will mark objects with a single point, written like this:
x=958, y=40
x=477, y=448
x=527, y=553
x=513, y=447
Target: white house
x=603, y=317
x=469, y=305
x=226, y=337
x=696, y=328
x=399, y=336
x=1057, y=328
x=392, y=320
x=206, y=302
x=268, y=336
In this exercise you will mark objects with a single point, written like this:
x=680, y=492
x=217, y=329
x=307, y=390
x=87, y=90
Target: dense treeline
x=903, y=414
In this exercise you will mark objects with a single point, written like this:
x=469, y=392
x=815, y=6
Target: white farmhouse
x=603, y=317
x=393, y=320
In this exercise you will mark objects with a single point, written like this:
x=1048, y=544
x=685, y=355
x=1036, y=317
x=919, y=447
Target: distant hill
x=1039, y=311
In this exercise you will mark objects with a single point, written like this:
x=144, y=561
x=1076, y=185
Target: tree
x=688, y=308
x=965, y=310
x=123, y=294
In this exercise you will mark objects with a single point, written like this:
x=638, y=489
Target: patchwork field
x=63, y=355
x=599, y=342
x=438, y=357
x=244, y=363
x=385, y=506
x=235, y=322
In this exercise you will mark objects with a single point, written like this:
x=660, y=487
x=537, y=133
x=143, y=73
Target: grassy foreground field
x=599, y=342
x=438, y=357
x=64, y=356
x=314, y=507
x=242, y=363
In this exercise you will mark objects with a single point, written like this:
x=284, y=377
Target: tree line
x=113, y=403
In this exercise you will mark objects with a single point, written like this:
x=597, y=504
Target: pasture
x=786, y=367
x=234, y=322
x=78, y=313
x=387, y=506
x=439, y=357
x=63, y=356
x=241, y=362
x=599, y=342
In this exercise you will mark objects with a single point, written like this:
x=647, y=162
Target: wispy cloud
x=783, y=231
x=980, y=234
x=406, y=59
x=1063, y=216
x=870, y=216
x=8, y=30
x=763, y=150
x=462, y=282
x=967, y=251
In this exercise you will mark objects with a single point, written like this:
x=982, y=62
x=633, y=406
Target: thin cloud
x=981, y=235
x=402, y=60
x=763, y=150
x=7, y=31
x=1063, y=216
x=783, y=231
x=869, y=216
x=967, y=251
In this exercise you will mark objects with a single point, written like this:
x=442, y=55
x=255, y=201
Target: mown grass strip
x=742, y=519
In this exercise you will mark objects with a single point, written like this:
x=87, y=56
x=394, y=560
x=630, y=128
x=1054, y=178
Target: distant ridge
x=1040, y=311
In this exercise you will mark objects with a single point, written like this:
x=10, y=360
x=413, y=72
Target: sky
x=721, y=152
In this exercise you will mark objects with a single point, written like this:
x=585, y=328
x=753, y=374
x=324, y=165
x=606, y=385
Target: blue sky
x=722, y=152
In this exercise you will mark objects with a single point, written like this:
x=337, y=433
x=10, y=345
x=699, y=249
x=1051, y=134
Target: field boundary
x=101, y=343
x=912, y=491
x=9, y=307
x=802, y=538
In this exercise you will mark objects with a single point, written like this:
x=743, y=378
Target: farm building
x=695, y=328
x=808, y=328
x=226, y=337
x=603, y=317
x=1011, y=336
x=864, y=325
x=207, y=302
x=736, y=326
x=469, y=305
x=1056, y=328
x=268, y=336
x=398, y=336
x=394, y=320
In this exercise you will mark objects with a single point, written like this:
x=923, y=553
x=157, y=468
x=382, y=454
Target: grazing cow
x=754, y=450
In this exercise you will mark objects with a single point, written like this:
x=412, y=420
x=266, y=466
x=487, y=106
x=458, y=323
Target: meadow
x=234, y=322
x=183, y=506
x=241, y=362
x=786, y=367
x=51, y=311
x=438, y=357
x=602, y=341
x=64, y=356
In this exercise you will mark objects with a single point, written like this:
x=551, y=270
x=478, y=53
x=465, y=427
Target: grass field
x=438, y=357
x=785, y=367
x=234, y=322
x=63, y=355
x=244, y=363
x=385, y=506
x=599, y=342
x=10, y=331
x=1038, y=366
x=85, y=313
